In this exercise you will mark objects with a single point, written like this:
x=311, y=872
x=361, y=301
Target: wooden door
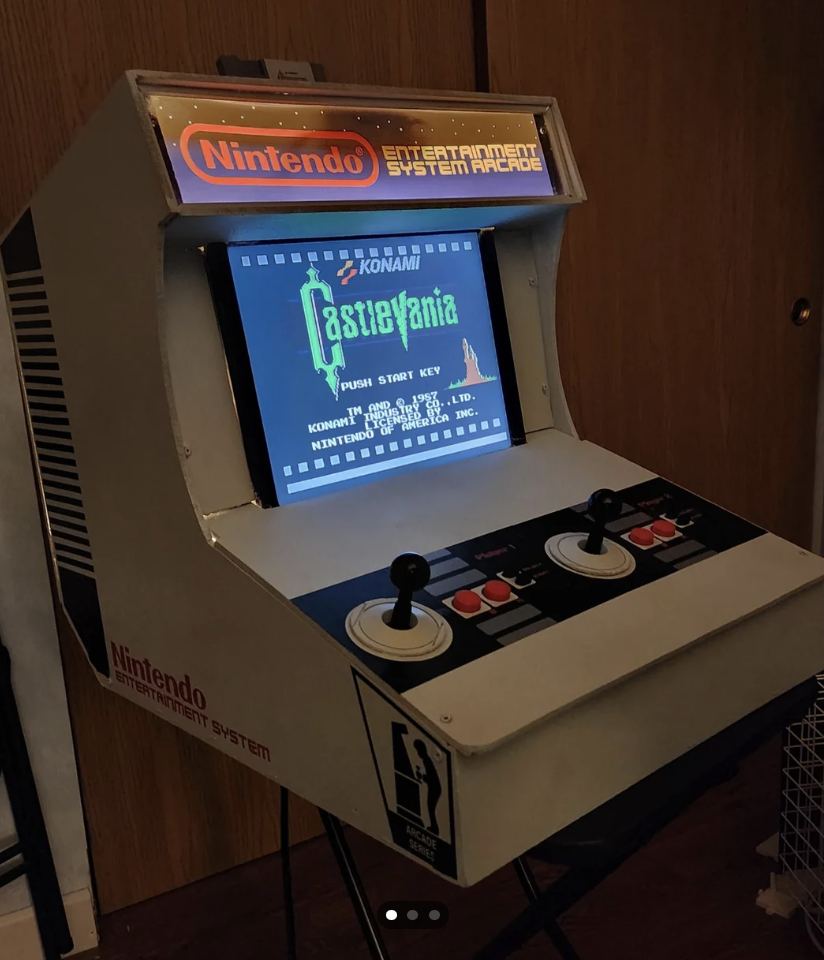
x=697, y=125
x=163, y=809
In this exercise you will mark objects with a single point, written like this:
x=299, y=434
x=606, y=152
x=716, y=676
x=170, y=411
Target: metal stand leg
x=286, y=873
x=354, y=887
x=551, y=928
x=548, y=905
x=33, y=841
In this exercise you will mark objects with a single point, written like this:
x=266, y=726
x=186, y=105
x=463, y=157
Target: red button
x=642, y=536
x=466, y=601
x=663, y=528
x=497, y=591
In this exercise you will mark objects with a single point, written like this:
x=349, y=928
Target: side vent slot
x=52, y=438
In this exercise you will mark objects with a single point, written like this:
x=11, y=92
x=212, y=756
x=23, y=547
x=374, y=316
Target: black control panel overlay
x=542, y=593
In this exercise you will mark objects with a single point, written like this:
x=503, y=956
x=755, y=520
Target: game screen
x=369, y=356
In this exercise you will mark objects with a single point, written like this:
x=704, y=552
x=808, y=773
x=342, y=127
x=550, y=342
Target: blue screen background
x=339, y=426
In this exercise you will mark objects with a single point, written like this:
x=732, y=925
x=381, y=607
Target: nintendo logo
x=261, y=157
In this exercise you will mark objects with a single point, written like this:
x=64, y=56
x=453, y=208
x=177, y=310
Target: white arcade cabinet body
x=272, y=338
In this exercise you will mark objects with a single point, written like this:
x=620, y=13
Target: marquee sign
x=232, y=151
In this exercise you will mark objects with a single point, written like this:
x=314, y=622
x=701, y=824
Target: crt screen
x=369, y=356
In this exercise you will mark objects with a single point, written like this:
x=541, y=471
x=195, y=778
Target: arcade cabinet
x=313, y=490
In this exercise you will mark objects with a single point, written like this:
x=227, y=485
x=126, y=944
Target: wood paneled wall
x=697, y=125
x=163, y=809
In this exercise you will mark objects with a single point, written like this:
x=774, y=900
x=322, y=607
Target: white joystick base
x=566, y=549
x=368, y=627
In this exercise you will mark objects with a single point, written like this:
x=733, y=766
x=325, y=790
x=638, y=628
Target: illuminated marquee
x=233, y=151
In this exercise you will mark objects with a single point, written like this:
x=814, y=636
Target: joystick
x=603, y=506
x=399, y=629
x=593, y=555
x=409, y=572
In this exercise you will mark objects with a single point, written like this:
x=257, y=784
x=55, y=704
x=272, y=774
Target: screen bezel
x=239, y=365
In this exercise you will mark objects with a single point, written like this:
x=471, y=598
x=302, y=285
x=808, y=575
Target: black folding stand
x=32, y=850
x=592, y=847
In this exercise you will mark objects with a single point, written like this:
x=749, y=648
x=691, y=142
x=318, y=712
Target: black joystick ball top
x=603, y=506
x=409, y=572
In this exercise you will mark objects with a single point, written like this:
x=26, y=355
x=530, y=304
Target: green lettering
x=361, y=311
x=415, y=319
x=430, y=315
x=439, y=305
x=399, y=310
x=371, y=308
x=383, y=313
x=449, y=308
x=350, y=328
x=332, y=324
x=331, y=368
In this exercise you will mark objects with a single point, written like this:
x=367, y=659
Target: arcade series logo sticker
x=415, y=778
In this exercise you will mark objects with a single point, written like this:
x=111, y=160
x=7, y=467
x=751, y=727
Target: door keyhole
x=801, y=311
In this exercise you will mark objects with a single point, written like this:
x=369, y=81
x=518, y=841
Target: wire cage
x=801, y=837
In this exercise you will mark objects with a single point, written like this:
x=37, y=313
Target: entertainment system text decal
x=178, y=695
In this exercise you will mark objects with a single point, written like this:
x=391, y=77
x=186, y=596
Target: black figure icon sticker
x=415, y=777
x=417, y=783
x=432, y=780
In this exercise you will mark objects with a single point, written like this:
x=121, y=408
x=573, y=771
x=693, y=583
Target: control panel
x=426, y=616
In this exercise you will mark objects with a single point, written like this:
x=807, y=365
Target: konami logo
x=257, y=156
